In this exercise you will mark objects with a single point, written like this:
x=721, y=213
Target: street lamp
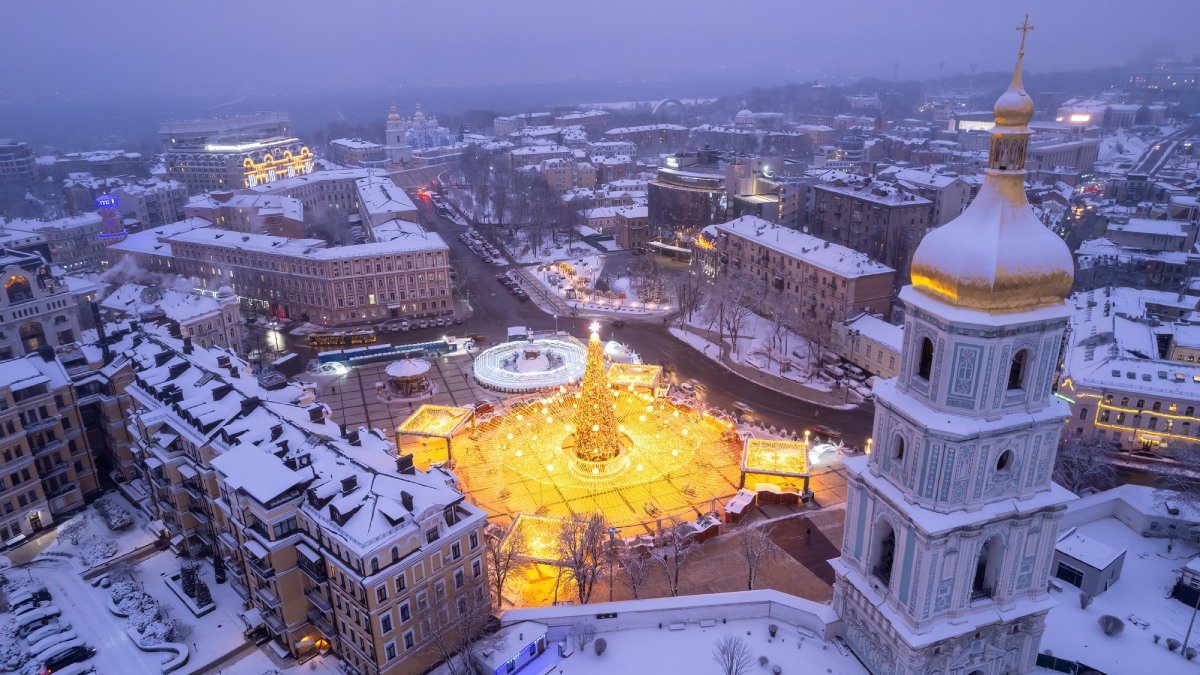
x=612, y=553
x=556, y=324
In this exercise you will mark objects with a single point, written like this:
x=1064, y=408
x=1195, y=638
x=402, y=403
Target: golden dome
x=997, y=256
x=1014, y=108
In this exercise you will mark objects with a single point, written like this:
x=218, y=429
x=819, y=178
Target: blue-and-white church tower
x=952, y=520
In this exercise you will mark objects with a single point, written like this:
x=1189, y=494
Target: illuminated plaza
x=612, y=445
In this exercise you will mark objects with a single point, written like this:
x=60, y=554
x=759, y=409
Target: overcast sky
x=61, y=49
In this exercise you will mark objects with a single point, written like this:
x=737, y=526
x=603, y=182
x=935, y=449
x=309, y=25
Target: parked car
x=46, y=631
x=687, y=388
x=31, y=598
x=31, y=621
x=65, y=658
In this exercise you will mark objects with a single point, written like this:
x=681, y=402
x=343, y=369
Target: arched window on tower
x=884, y=552
x=898, y=447
x=925, y=364
x=1016, y=370
x=987, y=568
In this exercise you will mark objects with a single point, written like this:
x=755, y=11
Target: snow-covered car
x=46, y=631
x=55, y=649
x=31, y=621
x=50, y=640
x=31, y=598
x=74, y=654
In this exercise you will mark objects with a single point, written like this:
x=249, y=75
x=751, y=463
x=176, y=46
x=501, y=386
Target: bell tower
x=951, y=522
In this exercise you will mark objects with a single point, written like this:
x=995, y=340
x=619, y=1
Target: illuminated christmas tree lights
x=596, y=434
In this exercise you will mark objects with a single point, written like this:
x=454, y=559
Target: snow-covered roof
x=355, y=143
x=644, y=128
x=134, y=300
x=261, y=474
x=1169, y=228
x=1087, y=550
x=813, y=250
x=878, y=330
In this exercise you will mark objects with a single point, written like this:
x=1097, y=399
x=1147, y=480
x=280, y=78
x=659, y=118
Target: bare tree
x=689, y=293
x=756, y=547
x=672, y=548
x=582, y=551
x=124, y=569
x=1181, y=483
x=817, y=333
x=455, y=626
x=731, y=304
x=733, y=655
x=635, y=569
x=74, y=530
x=784, y=312
x=1084, y=462
x=581, y=634
x=504, y=552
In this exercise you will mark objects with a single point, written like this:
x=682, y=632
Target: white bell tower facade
x=952, y=521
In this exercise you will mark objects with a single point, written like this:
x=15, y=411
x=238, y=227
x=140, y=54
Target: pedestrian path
x=804, y=542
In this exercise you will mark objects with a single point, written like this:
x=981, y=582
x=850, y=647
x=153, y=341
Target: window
x=1016, y=370
x=883, y=552
x=459, y=579
x=431, y=535
x=455, y=551
x=385, y=624
x=476, y=568
x=1083, y=413
x=389, y=650
x=1069, y=574
x=1141, y=403
x=925, y=365
x=408, y=639
x=1004, y=461
x=405, y=612
x=473, y=539
x=381, y=594
x=401, y=583
x=898, y=447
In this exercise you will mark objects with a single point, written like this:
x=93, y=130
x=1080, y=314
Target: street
x=495, y=309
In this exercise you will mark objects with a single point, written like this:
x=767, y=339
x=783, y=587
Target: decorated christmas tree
x=596, y=437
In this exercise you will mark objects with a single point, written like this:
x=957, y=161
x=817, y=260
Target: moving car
x=743, y=408
x=617, y=323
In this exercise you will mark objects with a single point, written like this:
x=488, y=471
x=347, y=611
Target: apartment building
x=651, y=137
x=209, y=320
x=331, y=540
x=878, y=219
x=16, y=163
x=948, y=194
x=1125, y=383
x=46, y=468
x=356, y=152
x=817, y=279
x=404, y=272
x=73, y=242
x=275, y=214
x=869, y=343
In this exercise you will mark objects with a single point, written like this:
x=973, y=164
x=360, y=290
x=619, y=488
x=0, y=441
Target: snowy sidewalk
x=782, y=385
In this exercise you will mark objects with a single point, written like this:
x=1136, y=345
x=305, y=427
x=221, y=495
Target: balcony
x=321, y=623
x=314, y=572
x=268, y=597
x=318, y=599
x=239, y=588
x=263, y=570
x=226, y=539
x=274, y=623
x=61, y=467
x=45, y=423
x=60, y=490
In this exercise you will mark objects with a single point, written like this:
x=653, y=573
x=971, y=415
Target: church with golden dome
x=952, y=520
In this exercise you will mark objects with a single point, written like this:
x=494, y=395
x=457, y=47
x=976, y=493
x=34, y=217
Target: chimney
x=349, y=484
x=353, y=437
x=404, y=465
x=174, y=330
x=187, y=345
x=223, y=361
x=176, y=370
x=233, y=371
x=249, y=404
x=316, y=414
x=135, y=326
x=47, y=354
x=407, y=500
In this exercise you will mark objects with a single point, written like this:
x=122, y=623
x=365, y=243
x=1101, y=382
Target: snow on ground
x=653, y=650
x=214, y=634
x=757, y=348
x=588, y=268
x=1141, y=593
x=257, y=663
x=85, y=608
x=523, y=253
x=96, y=543
x=1121, y=145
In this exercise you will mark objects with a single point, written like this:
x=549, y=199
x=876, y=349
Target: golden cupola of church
x=997, y=256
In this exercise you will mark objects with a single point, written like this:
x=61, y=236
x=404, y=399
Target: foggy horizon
x=87, y=50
